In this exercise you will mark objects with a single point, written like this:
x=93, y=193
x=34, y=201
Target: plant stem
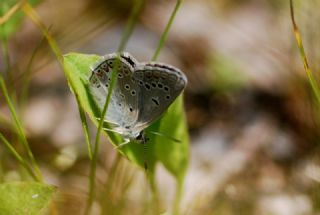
x=127, y=32
x=312, y=80
x=166, y=30
x=18, y=157
x=19, y=127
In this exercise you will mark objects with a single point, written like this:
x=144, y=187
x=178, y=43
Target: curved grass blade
x=128, y=31
x=166, y=30
x=16, y=155
x=312, y=79
x=173, y=156
x=20, y=129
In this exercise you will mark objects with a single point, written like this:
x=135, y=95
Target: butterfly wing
x=122, y=112
x=160, y=84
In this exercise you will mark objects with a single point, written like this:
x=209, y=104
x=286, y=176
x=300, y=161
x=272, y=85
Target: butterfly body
x=142, y=92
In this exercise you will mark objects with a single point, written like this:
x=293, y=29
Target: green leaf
x=174, y=156
x=13, y=23
x=24, y=198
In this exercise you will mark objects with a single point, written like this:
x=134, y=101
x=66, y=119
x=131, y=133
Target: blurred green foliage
x=12, y=25
x=24, y=197
x=225, y=74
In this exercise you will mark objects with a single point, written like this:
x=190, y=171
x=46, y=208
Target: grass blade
x=19, y=127
x=312, y=80
x=11, y=12
x=127, y=32
x=166, y=30
x=179, y=177
x=18, y=157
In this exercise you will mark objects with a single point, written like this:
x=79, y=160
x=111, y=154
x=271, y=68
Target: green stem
x=131, y=23
x=151, y=178
x=178, y=196
x=155, y=196
x=166, y=30
x=18, y=157
x=85, y=129
x=312, y=79
x=93, y=170
x=128, y=31
x=19, y=127
x=108, y=185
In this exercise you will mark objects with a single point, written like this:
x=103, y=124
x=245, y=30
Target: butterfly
x=141, y=94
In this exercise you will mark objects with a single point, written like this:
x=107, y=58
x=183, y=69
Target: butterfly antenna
x=164, y=135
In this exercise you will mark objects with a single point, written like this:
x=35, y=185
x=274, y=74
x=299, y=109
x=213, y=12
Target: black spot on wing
x=155, y=101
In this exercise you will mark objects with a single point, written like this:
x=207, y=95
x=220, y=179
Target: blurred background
x=252, y=117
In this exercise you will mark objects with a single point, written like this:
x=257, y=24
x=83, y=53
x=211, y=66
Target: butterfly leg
x=106, y=121
x=126, y=141
x=111, y=130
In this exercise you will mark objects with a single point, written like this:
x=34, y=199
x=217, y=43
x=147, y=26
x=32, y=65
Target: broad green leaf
x=174, y=156
x=28, y=198
x=13, y=23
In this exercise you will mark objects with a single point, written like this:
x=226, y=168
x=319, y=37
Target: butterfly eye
x=168, y=97
x=160, y=85
x=127, y=86
x=166, y=88
x=133, y=93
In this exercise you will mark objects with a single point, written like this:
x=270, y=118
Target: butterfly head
x=141, y=138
